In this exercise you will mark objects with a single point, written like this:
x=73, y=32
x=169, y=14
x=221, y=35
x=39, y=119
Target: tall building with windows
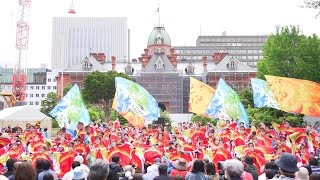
x=40, y=82
x=247, y=49
x=73, y=38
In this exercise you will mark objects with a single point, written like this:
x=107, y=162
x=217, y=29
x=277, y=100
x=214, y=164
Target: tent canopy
x=22, y=113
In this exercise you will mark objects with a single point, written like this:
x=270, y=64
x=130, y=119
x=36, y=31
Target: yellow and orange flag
x=200, y=96
x=296, y=95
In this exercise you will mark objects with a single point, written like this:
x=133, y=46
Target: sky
x=183, y=20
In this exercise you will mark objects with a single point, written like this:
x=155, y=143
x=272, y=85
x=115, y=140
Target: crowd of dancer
x=147, y=150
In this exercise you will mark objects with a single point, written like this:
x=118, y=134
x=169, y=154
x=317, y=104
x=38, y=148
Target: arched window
x=159, y=64
x=232, y=65
x=86, y=65
x=159, y=41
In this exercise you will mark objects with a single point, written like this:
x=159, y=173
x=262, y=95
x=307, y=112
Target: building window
x=49, y=79
x=232, y=65
x=32, y=87
x=31, y=95
x=159, y=64
x=37, y=95
x=27, y=87
x=49, y=87
x=26, y=95
x=54, y=87
x=31, y=103
x=37, y=102
x=37, y=87
x=43, y=87
x=54, y=80
x=43, y=95
x=86, y=65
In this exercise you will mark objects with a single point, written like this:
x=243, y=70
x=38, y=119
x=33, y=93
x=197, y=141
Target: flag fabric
x=296, y=95
x=135, y=103
x=200, y=96
x=71, y=110
x=262, y=94
x=226, y=104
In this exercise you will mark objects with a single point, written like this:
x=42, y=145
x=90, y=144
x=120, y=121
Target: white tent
x=21, y=115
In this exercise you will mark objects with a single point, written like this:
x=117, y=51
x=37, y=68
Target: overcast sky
x=182, y=20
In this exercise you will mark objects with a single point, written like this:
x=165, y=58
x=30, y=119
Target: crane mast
x=22, y=39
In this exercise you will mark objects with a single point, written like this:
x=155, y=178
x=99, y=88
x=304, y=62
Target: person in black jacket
x=9, y=165
x=163, y=173
x=250, y=167
x=115, y=168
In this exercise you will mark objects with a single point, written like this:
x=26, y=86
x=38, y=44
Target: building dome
x=159, y=36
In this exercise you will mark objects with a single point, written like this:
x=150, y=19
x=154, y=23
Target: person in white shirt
x=69, y=175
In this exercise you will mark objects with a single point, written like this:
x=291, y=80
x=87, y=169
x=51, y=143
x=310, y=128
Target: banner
x=295, y=95
x=226, y=104
x=135, y=103
x=71, y=110
x=262, y=94
x=200, y=96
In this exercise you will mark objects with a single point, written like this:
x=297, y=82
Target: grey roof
x=167, y=65
x=96, y=66
x=240, y=66
x=198, y=66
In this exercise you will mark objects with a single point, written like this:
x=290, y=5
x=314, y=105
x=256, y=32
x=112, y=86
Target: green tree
x=202, y=119
x=289, y=53
x=96, y=113
x=48, y=104
x=246, y=97
x=66, y=89
x=99, y=87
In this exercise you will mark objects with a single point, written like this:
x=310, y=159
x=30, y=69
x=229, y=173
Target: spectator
x=250, y=167
x=115, y=168
x=211, y=171
x=46, y=169
x=302, y=174
x=308, y=167
x=233, y=169
x=39, y=167
x=69, y=175
x=152, y=170
x=313, y=162
x=99, y=170
x=129, y=171
x=144, y=175
x=270, y=174
x=287, y=164
x=9, y=165
x=79, y=174
x=197, y=172
x=180, y=168
x=48, y=176
x=25, y=171
x=314, y=177
x=15, y=167
x=163, y=173
x=137, y=176
x=178, y=178
x=83, y=166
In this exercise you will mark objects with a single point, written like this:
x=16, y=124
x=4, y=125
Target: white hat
x=79, y=159
x=78, y=173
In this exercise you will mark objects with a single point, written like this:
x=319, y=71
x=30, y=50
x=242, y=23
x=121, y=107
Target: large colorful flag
x=200, y=96
x=135, y=103
x=295, y=95
x=226, y=104
x=71, y=110
x=262, y=94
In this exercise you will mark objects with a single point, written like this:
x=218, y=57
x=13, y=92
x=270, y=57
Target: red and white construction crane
x=22, y=39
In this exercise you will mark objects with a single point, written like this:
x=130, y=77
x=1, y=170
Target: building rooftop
x=159, y=36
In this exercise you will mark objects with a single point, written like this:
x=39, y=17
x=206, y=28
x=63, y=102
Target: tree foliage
x=66, y=89
x=99, y=87
x=203, y=120
x=96, y=113
x=48, y=104
x=246, y=97
x=114, y=115
x=289, y=53
x=312, y=4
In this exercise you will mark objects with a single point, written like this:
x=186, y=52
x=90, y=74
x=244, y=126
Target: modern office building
x=40, y=82
x=247, y=49
x=73, y=38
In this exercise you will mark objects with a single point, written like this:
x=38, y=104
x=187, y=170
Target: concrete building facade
x=73, y=38
x=247, y=49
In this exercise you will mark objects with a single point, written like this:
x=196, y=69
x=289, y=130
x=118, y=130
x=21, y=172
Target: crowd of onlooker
x=283, y=168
